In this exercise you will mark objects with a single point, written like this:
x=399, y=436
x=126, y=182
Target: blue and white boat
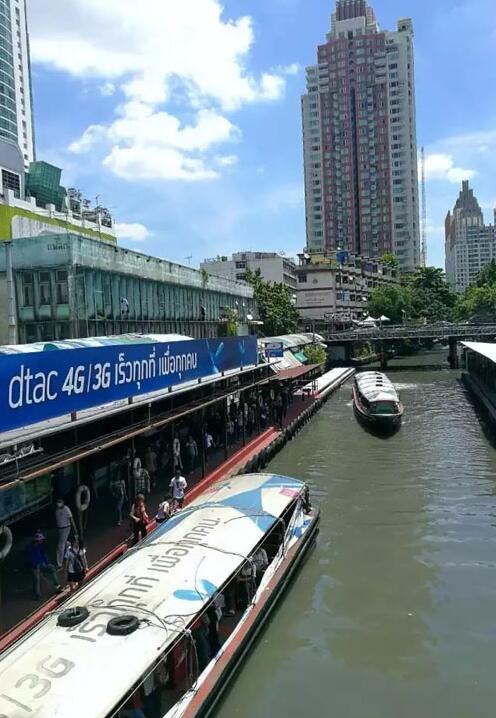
x=164, y=628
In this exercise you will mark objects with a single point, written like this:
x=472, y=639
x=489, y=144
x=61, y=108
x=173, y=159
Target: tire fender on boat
x=83, y=498
x=122, y=625
x=72, y=616
x=8, y=540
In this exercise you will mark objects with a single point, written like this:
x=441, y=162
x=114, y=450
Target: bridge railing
x=460, y=331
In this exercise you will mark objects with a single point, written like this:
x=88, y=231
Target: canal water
x=394, y=613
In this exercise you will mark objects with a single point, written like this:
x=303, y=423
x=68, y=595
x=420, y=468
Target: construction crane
x=423, y=258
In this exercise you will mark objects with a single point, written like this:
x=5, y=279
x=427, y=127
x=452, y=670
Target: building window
x=44, y=285
x=11, y=180
x=240, y=265
x=241, y=276
x=62, y=287
x=27, y=289
x=302, y=278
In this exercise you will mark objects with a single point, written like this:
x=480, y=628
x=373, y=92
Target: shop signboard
x=274, y=350
x=37, y=386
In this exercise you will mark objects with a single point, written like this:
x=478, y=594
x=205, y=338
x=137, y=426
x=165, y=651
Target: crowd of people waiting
x=135, y=478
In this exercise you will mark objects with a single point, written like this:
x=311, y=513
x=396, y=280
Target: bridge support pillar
x=453, y=353
x=383, y=357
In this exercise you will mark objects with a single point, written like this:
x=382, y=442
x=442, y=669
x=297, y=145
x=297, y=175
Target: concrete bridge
x=382, y=336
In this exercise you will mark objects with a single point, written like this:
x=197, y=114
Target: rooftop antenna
x=189, y=258
x=423, y=258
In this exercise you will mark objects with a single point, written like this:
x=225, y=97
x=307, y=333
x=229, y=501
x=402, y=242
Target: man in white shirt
x=178, y=486
x=64, y=522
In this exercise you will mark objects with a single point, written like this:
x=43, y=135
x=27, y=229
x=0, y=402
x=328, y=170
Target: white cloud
x=107, y=89
x=441, y=166
x=177, y=48
x=134, y=232
x=226, y=160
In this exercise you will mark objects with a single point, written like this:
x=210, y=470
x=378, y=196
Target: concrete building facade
x=333, y=288
x=69, y=286
x=273, y=267
x=16, y=107
x=469, y=243
x=359, y=139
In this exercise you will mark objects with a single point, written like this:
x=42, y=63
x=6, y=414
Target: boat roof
x=117, y=340
x=485, y=349
x=375, y=386
x=165, y=581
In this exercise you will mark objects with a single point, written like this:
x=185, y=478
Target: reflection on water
x=392, y=615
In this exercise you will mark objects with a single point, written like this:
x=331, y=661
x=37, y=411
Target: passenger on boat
x=246, y=582
x=199, y=630
x=260, y=561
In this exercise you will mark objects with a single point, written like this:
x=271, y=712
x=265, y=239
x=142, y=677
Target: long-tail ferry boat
x=163, y=629
x=376, y=402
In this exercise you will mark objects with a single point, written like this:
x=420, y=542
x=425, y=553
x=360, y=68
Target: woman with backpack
x=77, y=564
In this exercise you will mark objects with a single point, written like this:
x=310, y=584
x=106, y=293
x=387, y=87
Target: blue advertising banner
x=274, y=350
x=43, y=385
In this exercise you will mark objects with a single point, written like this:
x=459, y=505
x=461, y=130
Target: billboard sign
x=274, y=350
x=37, y=386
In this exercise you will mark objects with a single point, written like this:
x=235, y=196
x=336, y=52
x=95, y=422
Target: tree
x=315, y=353
x=394, y=301
x=432, y=296
x=276, y=310
x=390, y=259
x=478, y=303
x=487, y=275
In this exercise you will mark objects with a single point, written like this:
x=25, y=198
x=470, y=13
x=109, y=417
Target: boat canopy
x=165, y=582
x=375, y=387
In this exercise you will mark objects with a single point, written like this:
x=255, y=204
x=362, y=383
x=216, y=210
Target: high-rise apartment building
x=359, y=138
x=16, y=115
x=469, y=243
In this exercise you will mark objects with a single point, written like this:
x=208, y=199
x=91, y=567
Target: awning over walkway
x=295, y=372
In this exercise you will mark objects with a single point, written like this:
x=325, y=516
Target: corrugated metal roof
x=486, y=349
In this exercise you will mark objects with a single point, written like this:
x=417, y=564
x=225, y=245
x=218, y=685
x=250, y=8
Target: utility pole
x=11, y=298
x=423, y=257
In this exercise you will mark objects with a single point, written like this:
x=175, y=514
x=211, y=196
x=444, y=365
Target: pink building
x=360, y=149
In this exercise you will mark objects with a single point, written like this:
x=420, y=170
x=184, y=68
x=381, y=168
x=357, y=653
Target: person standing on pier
x=139, y=517
x=191, y=453
x=64, y=521
x=151, y=464
x=178, y=486
x=41, y=566
x=176, y=452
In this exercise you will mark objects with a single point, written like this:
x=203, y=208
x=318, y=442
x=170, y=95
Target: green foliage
x=316, y=354
x=487, y=275
x=433, y=298
x=424, y=295
x=391, y=300
x=274, y=304
x=477, y=303
x=390, y=259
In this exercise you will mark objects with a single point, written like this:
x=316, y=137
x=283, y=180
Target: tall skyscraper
x=470, y=244
x=16, y=115
x=359, y=138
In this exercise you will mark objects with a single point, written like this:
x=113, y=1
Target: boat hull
x=212, y=690
x=387, y=423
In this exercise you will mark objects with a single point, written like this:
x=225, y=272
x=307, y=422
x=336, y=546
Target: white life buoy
x=137, y=467
x=83, y=497
x=6, y=533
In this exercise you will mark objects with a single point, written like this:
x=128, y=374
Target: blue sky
x=186, y=119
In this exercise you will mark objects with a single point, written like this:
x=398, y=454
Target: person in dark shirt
x=41, y=566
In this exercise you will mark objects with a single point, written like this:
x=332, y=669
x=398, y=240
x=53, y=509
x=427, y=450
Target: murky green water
x=394, y=614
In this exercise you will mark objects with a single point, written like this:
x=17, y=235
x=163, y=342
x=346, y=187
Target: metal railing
x=433, y=331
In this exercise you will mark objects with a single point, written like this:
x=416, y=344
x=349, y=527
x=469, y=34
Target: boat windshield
x=384, y=407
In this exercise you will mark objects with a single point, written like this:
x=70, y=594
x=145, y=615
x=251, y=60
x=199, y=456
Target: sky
x=183, y=116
